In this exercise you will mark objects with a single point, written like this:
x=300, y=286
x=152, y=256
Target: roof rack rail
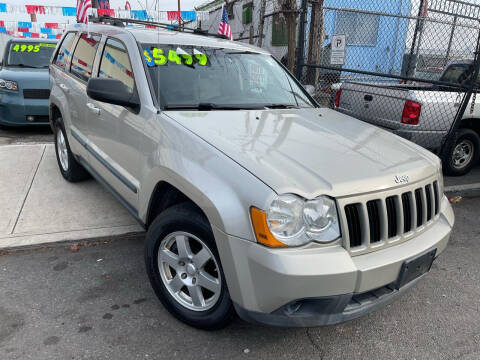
x=122, y=21
x=106, y=19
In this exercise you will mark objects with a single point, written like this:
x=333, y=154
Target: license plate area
x=415, y=267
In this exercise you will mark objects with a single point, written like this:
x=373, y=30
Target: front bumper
x=317, y=285
x=14, y=109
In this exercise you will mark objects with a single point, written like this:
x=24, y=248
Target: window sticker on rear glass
x=160, y=57
x=31, y=47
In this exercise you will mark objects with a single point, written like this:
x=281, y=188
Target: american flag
x=82, y=7
x=224, y=28
x=104, y=4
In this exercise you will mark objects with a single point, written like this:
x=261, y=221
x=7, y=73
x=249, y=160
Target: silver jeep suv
x=256, y=200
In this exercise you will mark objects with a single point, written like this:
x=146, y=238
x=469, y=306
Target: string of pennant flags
x=53, y=30
x=48, y=30
x=130, y=14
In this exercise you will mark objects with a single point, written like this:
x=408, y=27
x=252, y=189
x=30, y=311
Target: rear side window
x=84, y=55
x=115, y=64
x=61, y=58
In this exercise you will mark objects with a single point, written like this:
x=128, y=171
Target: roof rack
x=120, y=22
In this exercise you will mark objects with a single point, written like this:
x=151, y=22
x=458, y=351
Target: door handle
x=93, y=108
x=64, y=88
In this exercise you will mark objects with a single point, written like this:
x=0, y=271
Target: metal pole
x=179, y=15
x=450, y=138
x=301, y=39
x=451, y=39
x=410, y=69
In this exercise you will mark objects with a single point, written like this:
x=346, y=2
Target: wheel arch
x=164, y=196
x=471, y=123
x=54, y=114
x=224, y=203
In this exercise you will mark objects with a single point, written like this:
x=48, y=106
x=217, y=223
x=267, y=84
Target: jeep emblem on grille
x=401, y=179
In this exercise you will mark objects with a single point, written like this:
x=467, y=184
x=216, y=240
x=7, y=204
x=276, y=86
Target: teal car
x=24, y=82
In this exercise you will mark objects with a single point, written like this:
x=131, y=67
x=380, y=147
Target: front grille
x=435, y=195
x=373, y=220
x=36, y=93
x=407, y=212
x=419, y=203
x=376, y=219
x=354, y=227
x=391, y=216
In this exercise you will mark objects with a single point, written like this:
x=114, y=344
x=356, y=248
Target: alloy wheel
x=62, y=150
x=189, y=271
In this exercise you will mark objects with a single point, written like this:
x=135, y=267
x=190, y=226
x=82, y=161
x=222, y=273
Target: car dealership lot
x=97, y=304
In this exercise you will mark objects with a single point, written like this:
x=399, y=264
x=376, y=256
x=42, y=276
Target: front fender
x=223, y=189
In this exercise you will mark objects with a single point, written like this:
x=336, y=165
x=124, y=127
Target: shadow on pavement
x=27, y=134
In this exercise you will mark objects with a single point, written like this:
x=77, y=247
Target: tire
x=69, y=167
x=164, y=234
x=463, y=154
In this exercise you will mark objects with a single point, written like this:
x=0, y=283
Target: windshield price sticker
x=31, y=47
x=160, y=57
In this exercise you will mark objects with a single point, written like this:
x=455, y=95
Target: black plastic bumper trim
x=324, y=310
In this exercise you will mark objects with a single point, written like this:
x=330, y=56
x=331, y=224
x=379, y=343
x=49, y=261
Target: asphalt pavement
x=96, y=303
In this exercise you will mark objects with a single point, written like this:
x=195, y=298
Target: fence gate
x=389, y=57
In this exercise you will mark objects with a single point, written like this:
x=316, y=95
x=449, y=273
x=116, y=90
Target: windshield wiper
x=28, y=66
x=212, y=106
x=280, y=106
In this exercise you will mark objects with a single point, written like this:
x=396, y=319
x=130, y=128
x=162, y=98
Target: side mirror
x=310, y=89
x=111, y=91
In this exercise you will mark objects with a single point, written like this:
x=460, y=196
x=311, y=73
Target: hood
x=311, y=152
x=27, y=78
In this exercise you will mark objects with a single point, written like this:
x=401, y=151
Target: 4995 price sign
x=34, y=47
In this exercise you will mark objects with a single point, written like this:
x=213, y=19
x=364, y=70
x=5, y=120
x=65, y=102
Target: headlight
x=321, y=219
x=8, y=84
x=284, y=217
x=292, y=221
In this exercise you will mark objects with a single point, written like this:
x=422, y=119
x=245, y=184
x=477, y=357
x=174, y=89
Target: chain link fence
x=407, y=66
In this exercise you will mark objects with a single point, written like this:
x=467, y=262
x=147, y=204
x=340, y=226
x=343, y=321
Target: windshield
x=32, y=55
x=212, y=78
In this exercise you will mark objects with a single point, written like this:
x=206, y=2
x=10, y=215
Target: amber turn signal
x=260, y=226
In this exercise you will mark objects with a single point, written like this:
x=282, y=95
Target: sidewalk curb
x=67, y=243
x=467, y=190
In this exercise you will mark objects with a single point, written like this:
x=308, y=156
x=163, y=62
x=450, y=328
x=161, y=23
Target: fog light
x=30, y=118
